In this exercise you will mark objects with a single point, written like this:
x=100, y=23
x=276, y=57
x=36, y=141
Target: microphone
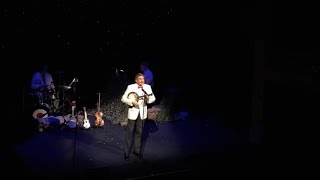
x=73, y=81
x=146, y=92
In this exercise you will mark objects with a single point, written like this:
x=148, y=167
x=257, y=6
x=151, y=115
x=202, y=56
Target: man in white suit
x=137, y=113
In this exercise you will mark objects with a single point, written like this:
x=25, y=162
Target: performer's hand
x=135, y=103
x=146, y=98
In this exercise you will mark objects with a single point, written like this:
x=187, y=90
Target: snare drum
x=42, y=111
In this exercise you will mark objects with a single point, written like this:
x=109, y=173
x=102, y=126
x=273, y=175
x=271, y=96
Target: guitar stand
x=63, y=108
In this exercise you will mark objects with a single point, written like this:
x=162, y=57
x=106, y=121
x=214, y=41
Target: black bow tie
x=140, y=87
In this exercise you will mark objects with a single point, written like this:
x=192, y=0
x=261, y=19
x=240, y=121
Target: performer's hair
x=139, y=74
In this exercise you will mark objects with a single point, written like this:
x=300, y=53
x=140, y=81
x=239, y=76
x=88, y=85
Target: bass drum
x=42, y=111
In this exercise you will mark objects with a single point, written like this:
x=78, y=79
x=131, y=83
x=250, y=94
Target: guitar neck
x=99, y=103
x=85, y=113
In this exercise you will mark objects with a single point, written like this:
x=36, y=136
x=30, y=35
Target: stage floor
x=171, y=147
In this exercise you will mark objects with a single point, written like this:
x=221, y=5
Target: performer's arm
x=151, y=97
x=125, y=99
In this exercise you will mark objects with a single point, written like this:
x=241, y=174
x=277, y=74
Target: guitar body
x=99, y=121
x=133, y=96
x=86, y=123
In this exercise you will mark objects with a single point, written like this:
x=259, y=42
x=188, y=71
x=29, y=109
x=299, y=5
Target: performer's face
x=140, y=80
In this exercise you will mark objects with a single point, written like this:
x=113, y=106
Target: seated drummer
x=42, y=81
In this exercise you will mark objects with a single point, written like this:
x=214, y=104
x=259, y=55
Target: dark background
x=208, y=51
x=205, y=50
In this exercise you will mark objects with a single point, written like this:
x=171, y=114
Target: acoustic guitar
x=99, y=121
x=133, y=96
x=86, y=123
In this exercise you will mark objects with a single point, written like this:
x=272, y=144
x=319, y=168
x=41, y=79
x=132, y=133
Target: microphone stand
x=75, y=143
x=76, y=128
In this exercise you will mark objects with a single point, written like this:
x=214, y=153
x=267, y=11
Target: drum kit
x=53, y=101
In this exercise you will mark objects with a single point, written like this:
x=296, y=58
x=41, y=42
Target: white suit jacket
x=133, y=112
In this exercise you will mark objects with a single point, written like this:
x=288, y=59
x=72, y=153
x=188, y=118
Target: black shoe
x=126, y=156
x=139, y=155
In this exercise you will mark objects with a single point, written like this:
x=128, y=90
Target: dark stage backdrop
x=206, y=50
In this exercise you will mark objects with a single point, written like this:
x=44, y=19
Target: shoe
x=126, y=156
x=139, y=155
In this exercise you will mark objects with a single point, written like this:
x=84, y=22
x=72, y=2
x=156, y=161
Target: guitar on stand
x=72, y=123
x=86, y=123
x=99, y=121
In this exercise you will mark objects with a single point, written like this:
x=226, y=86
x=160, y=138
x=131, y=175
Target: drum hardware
x=65, y=97
x=73, y=81
x=65, y=87
x=49, y=101
x=42, y=111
